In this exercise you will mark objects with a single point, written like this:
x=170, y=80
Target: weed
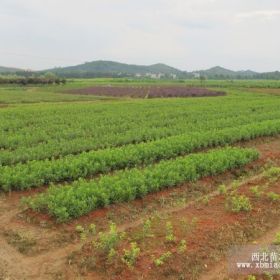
x=162, y=259
x=256, y=191
x=238, y=203
x=277, y=239
x=107, y=241
x=251, y=277
x=273, y=196
x=182, y=247
x=86, y=232
x=130, y=256
x=147, y=228
x=268, y=276
x=222, y=189
x=272, y=173
x=112, y=254
x=205, y=200
x=170, y=237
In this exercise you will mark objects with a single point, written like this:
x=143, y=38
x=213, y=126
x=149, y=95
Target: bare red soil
x=147, y=92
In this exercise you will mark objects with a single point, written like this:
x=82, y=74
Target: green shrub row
x=70, y=168
x=45, y=132
x=66, y=202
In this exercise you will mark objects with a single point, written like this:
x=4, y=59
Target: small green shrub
x=162, y=259
x=272, y=173
x=277, y=239
x=182, y=247
x=86, y=232
x=107, y=241
x=256, y=191
x=222, y=189
x=205, y=200
x=238, y=203
x=147, y=228
x=130, y=256
x=170, y=237
x=273, y=196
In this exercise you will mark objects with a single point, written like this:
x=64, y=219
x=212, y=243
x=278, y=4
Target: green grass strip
x=67, y=202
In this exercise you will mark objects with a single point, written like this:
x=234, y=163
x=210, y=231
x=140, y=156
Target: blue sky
x=188, y=34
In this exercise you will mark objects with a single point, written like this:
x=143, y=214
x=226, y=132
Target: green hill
x=110, y=68
x=9, y=69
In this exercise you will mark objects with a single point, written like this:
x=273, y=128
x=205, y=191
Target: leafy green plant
x=277, y=239
x=272, y=173
x=238, y=203
x=130, y=256
x=182, y=247
x=222, y=189
x=273, y=196
x=205, y=200
x=86, y=232
x=251, y=277
x=147, y=228
x=170, y=237
x=162, y=259
x=256, y=191
x=108, y=241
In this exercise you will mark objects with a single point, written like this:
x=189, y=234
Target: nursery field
x=114, y=187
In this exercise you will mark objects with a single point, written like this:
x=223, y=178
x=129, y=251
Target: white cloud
x=189, y=34
x=266, y=15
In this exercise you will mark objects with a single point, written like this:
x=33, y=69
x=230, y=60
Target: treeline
x=46, y=79
x=259, y=76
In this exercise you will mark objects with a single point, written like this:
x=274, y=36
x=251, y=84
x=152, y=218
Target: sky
x=187, y=34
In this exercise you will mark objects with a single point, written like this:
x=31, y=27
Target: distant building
x=196, y=75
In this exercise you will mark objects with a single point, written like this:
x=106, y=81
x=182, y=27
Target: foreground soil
x=147, y=92
x=33, y=246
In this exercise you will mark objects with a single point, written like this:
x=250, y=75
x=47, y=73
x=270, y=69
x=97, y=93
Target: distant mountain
x=103, y=68
x=220, y=72
x=111, y=68
x=217, y=70
x=9, y=69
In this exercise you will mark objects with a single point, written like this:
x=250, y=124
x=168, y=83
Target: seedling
x=147, y=228
x=277, y=239
x=256, y=191
x=273, y=196
x=182, y=247
x=162, y=259
x=108, y=241
x=170, y=237
x=238, y=203
x=130, y=256
x=86, y=232
x=222, y=189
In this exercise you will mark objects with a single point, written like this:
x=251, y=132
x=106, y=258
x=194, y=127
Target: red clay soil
x=147, y=92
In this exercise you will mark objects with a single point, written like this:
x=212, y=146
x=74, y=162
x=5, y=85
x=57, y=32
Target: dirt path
x=220, y=272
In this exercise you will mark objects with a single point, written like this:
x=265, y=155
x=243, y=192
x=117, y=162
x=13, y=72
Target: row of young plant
x=81, y=197
x=26, y=134
x=74, y=142
x=69, y=168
